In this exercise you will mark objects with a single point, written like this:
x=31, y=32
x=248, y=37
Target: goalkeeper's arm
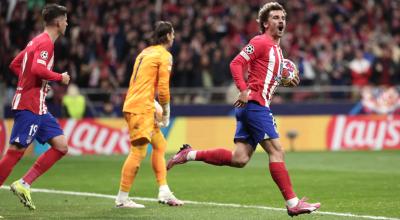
x=163, y=89
x=165, y=115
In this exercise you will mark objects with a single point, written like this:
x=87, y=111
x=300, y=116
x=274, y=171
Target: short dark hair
x=263, y=14
x=160, y=32
x=52, y=11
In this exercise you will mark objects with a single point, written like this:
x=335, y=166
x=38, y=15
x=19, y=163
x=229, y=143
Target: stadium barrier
x=299, y=133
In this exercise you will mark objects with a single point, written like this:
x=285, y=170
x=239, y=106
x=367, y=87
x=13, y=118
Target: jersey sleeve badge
x=249, y=49
x=44, y=55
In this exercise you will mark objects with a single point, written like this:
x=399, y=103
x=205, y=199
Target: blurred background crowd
x=336, y=42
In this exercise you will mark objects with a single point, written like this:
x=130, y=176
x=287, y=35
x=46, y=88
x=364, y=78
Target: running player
x=255, y=123
x=33, y=66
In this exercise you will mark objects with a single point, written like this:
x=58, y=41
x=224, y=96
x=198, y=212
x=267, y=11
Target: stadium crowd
x=336, y=42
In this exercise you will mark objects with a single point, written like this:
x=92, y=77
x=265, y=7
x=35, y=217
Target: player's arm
x=16, y=64
x=41, y=58
x=238, y=67
x=164, y=73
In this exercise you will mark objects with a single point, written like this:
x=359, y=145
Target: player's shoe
x=23, y=193
x=128, y=203
x=167, y=197
x=180, y=157
x=303, y=207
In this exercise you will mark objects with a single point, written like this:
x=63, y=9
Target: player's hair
x=52, y=11
x=160, y=32
x=263, y=14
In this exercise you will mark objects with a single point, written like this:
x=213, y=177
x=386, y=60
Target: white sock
x=25, y=184
x=164, y=188
x=191, y=155
x=122, y=196
x=292, y=202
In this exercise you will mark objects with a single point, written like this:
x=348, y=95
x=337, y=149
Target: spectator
x=103, y=37
x=74, y=103
x=360, y=69
x=109, y=110
x=384, y=69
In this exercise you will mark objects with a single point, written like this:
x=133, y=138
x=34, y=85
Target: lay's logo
x=367, y=132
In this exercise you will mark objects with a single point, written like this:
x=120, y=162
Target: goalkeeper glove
x=165, y=116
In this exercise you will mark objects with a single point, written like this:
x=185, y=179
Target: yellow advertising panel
x=210, y=132
x=310, y=132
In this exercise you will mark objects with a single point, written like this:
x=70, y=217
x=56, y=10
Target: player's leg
x=22, y=134
x=58, y=150
x=132, y=164
x=281, y=177
x=140, y=129
x=50, y=132
x=128, y=173
x=159, y=145
x=158, y=163
x=217, y=156
x=220, y=156
x=278, y=169
x=9, y=160
x=25, y=129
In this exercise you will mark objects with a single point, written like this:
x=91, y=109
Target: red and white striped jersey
x=264, y=61
x=33, y=67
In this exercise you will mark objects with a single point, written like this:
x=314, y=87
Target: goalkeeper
x=150, y=76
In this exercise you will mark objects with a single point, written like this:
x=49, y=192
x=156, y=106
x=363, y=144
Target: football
x=289, y=71
x=159, y=111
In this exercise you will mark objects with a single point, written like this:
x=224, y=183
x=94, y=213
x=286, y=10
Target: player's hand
x=242, y=99
x=164, y=122
x=65, y=78
x=294, y=82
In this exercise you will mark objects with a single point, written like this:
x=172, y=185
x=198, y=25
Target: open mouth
x=280, y=27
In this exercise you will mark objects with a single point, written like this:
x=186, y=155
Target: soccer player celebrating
x=150, y=76
x=255, y=123
x=33, y=66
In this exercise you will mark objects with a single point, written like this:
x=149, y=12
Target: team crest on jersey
x=44, y=55
x=249, y=49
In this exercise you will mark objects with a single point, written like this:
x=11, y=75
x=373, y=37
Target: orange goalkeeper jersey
x=150, y=76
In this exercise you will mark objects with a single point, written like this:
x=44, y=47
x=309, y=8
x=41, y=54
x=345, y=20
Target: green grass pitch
x=360, y=183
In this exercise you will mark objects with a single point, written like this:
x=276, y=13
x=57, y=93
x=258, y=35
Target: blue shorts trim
x=29, y=126
x=254, y=123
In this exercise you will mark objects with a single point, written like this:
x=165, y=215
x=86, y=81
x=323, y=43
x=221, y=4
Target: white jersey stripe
x=269, y=76
x=280, y=61
x=50, y=64
x=280, y=67
x=271, y=90
x=16, y=100
x=43, y=89
x=24, y=63
x=244, y=55
x=41, y=62
x=42, y=98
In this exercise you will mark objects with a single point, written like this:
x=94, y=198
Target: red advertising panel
x=364, y=132
x=89, y=136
